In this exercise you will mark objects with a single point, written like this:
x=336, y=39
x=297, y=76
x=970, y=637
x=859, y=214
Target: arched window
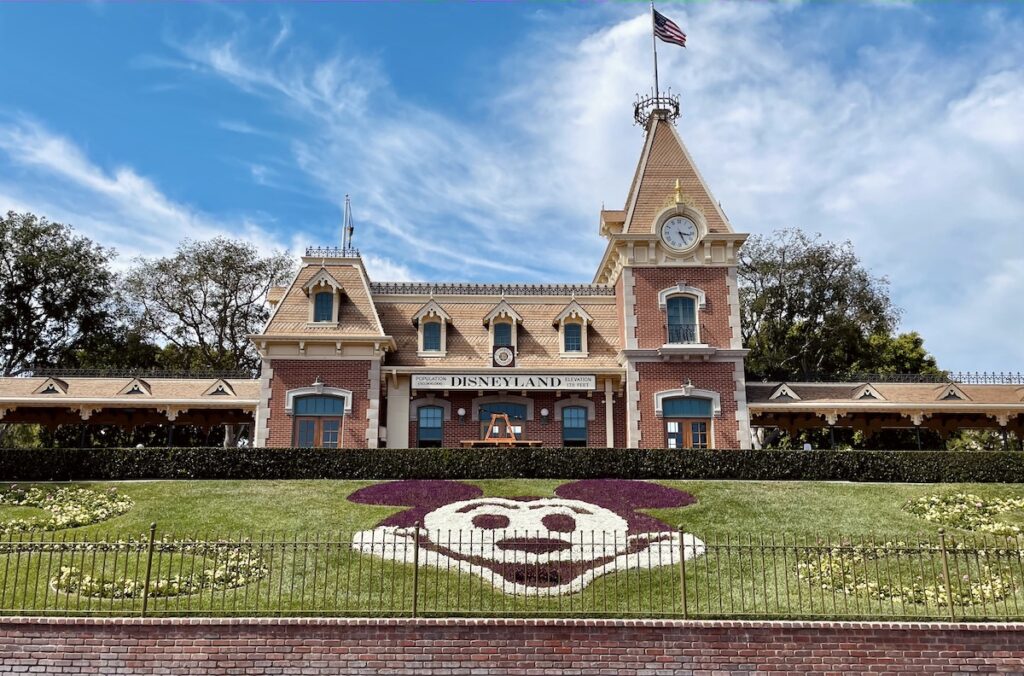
x=573, y=337
x=323, y=306
x=682, y=319
x=574, y=426
x=318, y=421
x=428, y=426
x=687, y=422
x=516, y=416
x=432, y=336
x=503, y=334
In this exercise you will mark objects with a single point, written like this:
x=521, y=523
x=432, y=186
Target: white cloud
x=914, y=153
x=118, y=207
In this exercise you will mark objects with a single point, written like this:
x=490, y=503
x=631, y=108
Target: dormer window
x=502, y=323
x=323, y=306
x=573, y=337
x=432, y=321
x=324, y=293
x=572, y=324
x=432, y=336
x=503, y=334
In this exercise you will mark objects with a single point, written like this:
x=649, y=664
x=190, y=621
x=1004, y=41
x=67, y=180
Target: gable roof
x=952, y=391
x=868, y=391
x=665, y=160
x=571, y=310
x=52, y=386
x=322, y=278
x=784, y=391
x=431, y=309
x=220, y=387
x=503, y=309
x=137, y=386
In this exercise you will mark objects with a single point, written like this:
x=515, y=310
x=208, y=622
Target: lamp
x=462, y=414
x=544, y=415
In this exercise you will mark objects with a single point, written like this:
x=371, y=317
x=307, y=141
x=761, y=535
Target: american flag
x=666, y=29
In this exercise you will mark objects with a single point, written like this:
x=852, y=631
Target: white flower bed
x=968, y=512
x=211, y=566
x=849, y=570
x=525, y=556
x=67, y=506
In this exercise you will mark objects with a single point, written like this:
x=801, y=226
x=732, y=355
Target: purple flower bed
x=622, y=496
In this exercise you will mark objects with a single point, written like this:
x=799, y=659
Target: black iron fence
x=396, y=571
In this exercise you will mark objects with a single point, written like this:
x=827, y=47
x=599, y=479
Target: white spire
x=347, y=229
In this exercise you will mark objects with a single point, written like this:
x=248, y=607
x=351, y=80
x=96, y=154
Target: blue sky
x=479, y=141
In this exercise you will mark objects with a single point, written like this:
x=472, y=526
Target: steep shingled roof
x=663, y=161
x=357, y=316
x=469, y=341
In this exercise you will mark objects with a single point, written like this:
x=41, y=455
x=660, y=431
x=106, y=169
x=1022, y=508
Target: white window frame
x=699, y=303
x=422, y=351
x=515, y=332
x=318, y=388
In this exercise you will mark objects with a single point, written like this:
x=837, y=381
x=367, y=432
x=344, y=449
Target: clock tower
x=672, y=256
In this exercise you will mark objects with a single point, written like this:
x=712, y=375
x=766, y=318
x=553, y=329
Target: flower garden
x=605, y=547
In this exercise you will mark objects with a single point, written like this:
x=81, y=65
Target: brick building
x=647, y=355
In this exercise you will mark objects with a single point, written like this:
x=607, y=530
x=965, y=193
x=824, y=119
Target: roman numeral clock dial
x=679, y=233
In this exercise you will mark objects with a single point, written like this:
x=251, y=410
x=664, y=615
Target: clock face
x=503, y=356
x=679, y=233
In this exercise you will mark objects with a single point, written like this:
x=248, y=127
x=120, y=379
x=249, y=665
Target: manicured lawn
x=744, y=570
x=225, y=508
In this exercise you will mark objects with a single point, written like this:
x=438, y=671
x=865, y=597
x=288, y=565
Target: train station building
x=648, y=354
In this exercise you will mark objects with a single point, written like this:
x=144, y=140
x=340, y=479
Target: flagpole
x=654, y=44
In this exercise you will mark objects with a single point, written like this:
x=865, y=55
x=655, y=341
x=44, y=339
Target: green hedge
x=63, y=464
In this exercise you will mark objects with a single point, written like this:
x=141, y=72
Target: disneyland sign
x=432, y=381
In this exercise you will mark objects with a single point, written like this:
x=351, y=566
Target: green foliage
x=810, y=307
x=458, y=463
x=903, y=353
x=205, y=300
x=56, y=292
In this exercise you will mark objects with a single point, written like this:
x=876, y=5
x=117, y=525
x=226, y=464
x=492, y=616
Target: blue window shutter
x=432, y=337
x=573, y=337
x=681, y=311
x=319, y=405
x=429, y=423
x=574, y=423
x=503, y=334
x=323, y=306
x=686, y=407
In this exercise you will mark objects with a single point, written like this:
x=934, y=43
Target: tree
x=205, y=300
x=903, y=353
x=55, y=292
x=809, y=306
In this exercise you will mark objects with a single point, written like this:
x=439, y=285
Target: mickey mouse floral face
x=539, y=546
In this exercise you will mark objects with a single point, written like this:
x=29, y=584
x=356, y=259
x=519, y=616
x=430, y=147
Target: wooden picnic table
x=471, y=443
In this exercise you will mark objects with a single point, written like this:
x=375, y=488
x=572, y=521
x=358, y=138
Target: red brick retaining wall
x=458, y=646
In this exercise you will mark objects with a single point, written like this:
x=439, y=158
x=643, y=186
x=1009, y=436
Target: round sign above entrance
x=504, y=356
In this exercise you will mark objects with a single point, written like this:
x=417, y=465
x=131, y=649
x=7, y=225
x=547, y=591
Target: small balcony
x=681, y=334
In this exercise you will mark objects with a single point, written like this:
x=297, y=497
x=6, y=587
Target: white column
x=609, y=415
x=398, y=412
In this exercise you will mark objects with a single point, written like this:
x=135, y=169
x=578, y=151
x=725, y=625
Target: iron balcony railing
x=681, y=334
x=960, y=377
x=469, y=289
x=410, y=571
x=331, y=252
x=237, y=374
